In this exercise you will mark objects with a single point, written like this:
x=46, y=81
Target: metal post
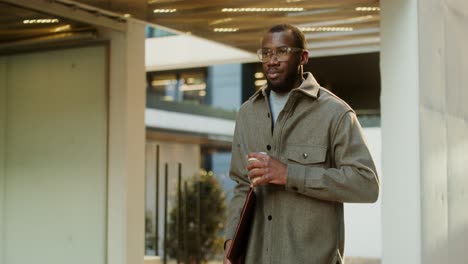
x=199, y=223
x=185, y=223
x=156, y=229
x=165, y=213
x=179, y=209
x=146, y=178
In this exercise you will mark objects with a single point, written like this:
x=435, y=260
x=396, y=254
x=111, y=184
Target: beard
x=288, y=83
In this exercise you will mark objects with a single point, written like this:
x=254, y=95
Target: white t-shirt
x=277, y=102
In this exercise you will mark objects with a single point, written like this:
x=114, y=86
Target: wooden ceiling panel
x=201, y=17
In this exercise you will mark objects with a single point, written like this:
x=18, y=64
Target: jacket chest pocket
x=313, y=155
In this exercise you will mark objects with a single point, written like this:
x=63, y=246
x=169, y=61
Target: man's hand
x=226, y=249
x=266, y=169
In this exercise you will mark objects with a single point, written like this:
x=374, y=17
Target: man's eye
x=266, y=53
x=282, y=51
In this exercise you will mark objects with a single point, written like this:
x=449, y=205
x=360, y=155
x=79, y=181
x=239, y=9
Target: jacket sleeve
x=352, y=179
x=238, y=173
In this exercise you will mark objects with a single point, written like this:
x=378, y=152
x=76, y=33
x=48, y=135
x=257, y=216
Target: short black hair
x=299, y=39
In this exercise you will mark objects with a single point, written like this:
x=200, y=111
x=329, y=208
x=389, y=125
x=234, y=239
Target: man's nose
x=273, y=59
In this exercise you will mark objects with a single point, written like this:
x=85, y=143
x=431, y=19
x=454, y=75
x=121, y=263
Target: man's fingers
x=262, y=180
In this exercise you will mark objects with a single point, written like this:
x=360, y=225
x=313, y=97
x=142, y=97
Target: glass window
x=178, y=86
x=164, y=86
x=193, y=86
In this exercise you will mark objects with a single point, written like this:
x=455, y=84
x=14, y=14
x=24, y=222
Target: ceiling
x=333, y=26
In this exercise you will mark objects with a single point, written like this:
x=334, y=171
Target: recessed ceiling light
x=226, y=29
x=367, y=8
x=264, y=9
x=220, y=21
x=61, y=28
x=325, y=29
x=162, y=1
x=41, y=21
x=164, y=10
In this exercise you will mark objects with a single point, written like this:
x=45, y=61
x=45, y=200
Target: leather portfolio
x=237, y=251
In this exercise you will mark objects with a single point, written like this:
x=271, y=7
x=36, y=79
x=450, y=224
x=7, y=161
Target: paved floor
x=348, y=260
x=351, y=260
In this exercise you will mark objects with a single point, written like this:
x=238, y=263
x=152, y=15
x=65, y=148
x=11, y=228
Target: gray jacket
x=320, y=139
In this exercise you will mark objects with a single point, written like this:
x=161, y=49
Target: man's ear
x=304, y=57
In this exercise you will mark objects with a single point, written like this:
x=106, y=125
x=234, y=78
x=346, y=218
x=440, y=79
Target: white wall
x=55, y=157
x=443, y=59
x=162, y=119
x=186, y=51
x=363, y=225
x=171, y=153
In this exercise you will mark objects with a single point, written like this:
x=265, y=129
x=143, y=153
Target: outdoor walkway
x=349, y=260
x=352, y=260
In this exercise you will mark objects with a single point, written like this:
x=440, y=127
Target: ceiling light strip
x=367, y=8
x=360, y=19
x=264, y=9
x=326, y=29
x=62, y=28
x=164, y=10
x=225, y=29
x=318, y=35
x=41, y=21
x=220, y=21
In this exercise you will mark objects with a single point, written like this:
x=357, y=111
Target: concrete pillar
x=424, y=60
x=126, y=184
x=3, y=109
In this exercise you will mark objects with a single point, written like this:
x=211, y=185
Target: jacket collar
x=309, y=87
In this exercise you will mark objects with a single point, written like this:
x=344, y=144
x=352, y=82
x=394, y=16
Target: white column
x=126, y=145
x=3, y=109
x=424, y=65
x=401, y=202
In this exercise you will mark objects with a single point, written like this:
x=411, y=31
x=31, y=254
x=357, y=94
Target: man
x=314, y=159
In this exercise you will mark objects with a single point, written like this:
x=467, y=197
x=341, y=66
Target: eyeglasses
x=281, y=53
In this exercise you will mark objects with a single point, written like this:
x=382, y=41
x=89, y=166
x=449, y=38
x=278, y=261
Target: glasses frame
x=274, y=52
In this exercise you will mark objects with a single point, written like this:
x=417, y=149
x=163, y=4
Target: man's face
x=282, y=76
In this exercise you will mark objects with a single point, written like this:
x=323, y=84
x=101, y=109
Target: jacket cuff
x=295, y=178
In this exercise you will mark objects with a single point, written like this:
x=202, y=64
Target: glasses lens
x=263, y=54
x=281, y=53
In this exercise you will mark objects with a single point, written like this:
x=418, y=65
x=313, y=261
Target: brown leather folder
x=236, y=253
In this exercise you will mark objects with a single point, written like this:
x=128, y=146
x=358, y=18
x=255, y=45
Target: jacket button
x=270, y=217
x=295, y=188
x=305, y=155
x=268, y=147
x=268, y=115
